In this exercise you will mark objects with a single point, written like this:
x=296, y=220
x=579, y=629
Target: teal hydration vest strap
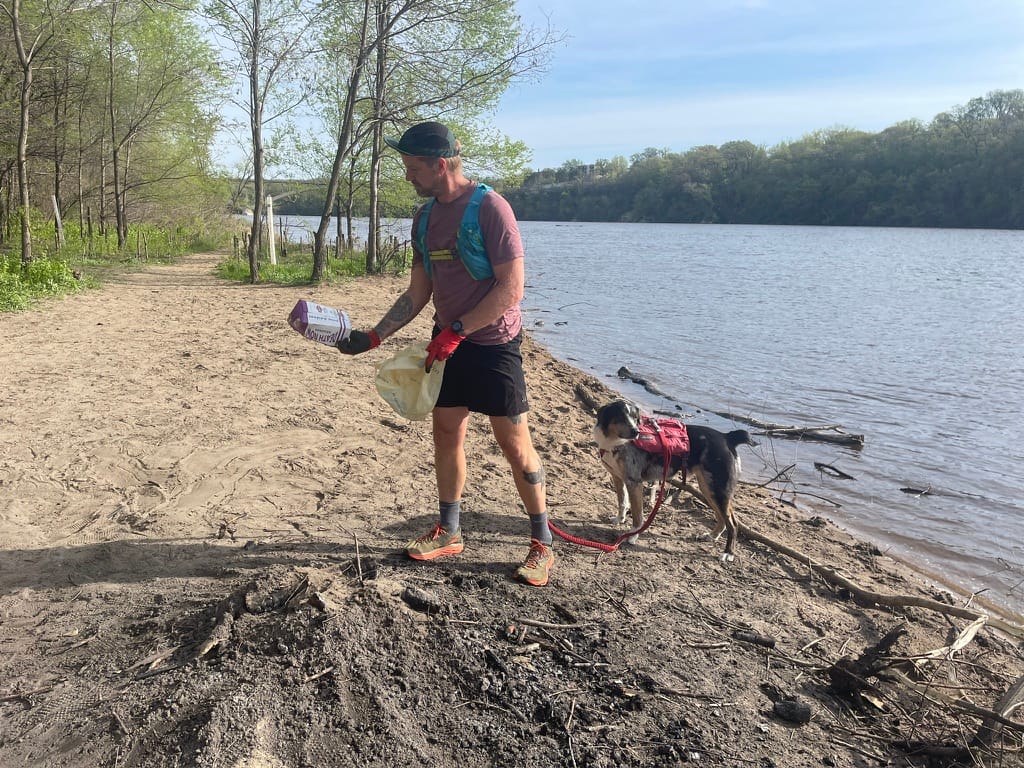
x=469, y=244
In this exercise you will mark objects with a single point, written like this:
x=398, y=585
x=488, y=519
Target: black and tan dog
x=712, y=460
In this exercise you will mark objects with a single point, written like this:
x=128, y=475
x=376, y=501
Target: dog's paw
x=633, y=539
x=726, y=557
x=617, y=518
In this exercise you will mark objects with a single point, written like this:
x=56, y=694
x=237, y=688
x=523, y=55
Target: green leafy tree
x=425, y=59
x=964, y=168
x=33, y=28
x=159, y=72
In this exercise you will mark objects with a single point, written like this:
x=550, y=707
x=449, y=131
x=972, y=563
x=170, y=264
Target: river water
x=913, y=338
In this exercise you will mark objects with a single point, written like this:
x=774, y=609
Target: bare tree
x=361, y=52
x=271, y=39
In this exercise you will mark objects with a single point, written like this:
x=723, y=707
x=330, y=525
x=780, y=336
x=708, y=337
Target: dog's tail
x=738, y=437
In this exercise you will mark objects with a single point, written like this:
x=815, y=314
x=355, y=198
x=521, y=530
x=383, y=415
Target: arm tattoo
x=399, y=315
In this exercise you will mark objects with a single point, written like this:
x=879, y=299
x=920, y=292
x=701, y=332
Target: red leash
x=650, y=518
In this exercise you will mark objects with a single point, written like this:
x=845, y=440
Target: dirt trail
x=199, y=518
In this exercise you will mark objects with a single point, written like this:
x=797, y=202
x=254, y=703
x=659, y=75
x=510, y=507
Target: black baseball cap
x=427, y=140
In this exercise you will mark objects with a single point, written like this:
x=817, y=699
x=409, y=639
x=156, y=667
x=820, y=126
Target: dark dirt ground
x=199, y=519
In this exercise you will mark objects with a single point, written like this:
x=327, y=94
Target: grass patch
x=81, y=259
x=20, y=286
x=297, y=269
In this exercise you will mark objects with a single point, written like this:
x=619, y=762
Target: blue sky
x=674, y=74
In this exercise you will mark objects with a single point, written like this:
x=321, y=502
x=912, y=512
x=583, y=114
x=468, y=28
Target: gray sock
x=450, y=515
x=539, y=528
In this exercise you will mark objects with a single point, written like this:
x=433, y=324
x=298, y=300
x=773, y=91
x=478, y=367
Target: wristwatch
x=457, y=328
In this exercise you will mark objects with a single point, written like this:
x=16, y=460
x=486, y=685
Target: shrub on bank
x=294, y=269
x=68, y=263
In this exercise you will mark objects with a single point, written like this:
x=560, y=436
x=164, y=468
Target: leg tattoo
x=535, y=478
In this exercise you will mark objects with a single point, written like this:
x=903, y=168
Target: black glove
x=358, y=341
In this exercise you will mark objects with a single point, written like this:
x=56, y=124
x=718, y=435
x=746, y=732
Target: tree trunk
x=258, y=155
x=342, y=150
x=373, y=228
x=25, y=58
x=115, y=147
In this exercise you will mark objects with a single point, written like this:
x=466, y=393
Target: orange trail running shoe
x=538, y=565
x=437, y=543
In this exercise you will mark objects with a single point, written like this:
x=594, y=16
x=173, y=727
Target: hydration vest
x=469, y=245
x=663, y=436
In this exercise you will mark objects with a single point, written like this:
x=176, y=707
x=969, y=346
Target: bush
x=294, y=270
x=21, y=285
x=52, y=271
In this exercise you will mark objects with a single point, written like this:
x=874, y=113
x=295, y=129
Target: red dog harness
x=667, y=437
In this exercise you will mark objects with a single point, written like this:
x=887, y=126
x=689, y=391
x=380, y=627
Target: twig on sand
x=549, y=625
x=25, y=695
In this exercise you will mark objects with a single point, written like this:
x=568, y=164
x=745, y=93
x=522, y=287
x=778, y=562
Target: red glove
x=441, y=347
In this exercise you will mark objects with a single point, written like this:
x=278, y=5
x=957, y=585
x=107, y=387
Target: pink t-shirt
x=455, y=291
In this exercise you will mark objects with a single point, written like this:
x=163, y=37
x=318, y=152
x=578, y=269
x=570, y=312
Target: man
x=468, y=257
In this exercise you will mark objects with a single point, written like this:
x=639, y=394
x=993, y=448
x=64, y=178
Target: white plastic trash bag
x=406, y=387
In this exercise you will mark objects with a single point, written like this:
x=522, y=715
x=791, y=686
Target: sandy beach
x=200, y=519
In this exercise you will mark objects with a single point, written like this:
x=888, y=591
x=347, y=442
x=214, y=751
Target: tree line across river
x=962, y=169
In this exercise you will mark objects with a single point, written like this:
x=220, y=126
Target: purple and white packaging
x=320, y=323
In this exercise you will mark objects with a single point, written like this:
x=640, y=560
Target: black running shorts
x=485, y=379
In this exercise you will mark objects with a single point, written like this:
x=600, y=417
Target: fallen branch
x=24, y=695
x=822, y=433
x=947, y=651
x=549, y=625
x=917, y=491
x=961, y=704
x=828, y=469
x=778, y=474
x=1009, y=703
x=850, y=676
x=829, y=433
x=868, y=597
x=625, y=373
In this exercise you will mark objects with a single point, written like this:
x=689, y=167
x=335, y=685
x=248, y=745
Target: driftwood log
x=991, y=727
x=828, y=469
x=830, y=433
x=625, y=373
